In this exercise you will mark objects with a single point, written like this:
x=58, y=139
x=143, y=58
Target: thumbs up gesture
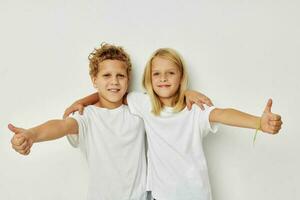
x=21, y=141
x=270, y=122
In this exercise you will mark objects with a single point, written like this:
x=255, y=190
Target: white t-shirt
x=113, y=142
x=177, y=168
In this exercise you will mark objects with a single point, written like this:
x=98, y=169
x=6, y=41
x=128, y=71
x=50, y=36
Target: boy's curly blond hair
x=107, y=52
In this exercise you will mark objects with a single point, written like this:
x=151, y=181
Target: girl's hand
x=73, y=108
x=198, y=98
x=270, y=122
x=21, y=142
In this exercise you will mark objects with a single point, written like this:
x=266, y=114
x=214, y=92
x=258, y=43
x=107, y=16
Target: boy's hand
x=270, y=122
x=198, y=98
x=21, y=142
x=73, y=108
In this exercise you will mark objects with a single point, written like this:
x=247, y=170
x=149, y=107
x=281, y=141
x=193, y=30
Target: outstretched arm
x=268, y=122
x=23, y=139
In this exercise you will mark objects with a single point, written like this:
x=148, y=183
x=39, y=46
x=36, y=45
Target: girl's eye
x=106, y=75
x=155, y=74
x=171, y=73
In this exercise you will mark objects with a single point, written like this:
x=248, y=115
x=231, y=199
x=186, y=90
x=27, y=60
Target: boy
x=112, y=139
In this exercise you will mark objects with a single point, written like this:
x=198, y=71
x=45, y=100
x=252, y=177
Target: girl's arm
x=268, y=122
x=88, y=100
x=81, y=103
x=23, y=139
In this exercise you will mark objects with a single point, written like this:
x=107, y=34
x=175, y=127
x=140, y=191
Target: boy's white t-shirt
x=177, y=168
x=113, y=142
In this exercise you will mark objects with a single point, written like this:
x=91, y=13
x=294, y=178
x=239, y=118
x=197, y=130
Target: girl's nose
x=163, y=78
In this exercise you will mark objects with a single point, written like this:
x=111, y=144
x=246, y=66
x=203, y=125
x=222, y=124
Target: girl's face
x=166, y=78
x=111, y=83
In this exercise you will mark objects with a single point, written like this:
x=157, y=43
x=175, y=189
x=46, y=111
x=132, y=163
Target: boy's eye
x=121, y=75
x=106, y=75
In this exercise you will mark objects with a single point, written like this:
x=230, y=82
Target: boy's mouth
x=114, y=90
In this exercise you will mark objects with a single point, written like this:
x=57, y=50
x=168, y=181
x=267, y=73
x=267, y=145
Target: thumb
x=80, y=110
x=14, y=129
x=268, y=106
x=188, y=105
x=65, y=115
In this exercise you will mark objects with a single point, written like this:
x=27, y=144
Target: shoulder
x=91, y=109
x=137, y=95
x=87, y=112
x=139, y=103
x=129, y=115
x=138, y=98
x=207, y=109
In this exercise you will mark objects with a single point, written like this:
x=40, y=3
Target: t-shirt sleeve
x=79, y=140
x=138, y=103
x=206, y=126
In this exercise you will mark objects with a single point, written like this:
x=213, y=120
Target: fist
x=270, y=122
x=21, y=141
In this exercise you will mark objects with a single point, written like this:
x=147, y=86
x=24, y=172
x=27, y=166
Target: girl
x=177, y=168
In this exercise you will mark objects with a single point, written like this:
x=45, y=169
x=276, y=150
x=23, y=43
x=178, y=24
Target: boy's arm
x=81, y=103
x=198, y=98
x=53, y=129
x=23, y=139
x=268, y=122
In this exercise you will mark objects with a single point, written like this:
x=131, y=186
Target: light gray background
x=239, y=53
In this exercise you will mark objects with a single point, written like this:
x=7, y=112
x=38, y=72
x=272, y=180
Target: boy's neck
x=104, y=103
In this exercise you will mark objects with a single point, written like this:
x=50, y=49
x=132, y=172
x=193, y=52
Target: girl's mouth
x=163, y=86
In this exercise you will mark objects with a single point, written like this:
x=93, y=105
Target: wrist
x=258, y=127
x=31, y=135
x=258, y=124
x=77, y=102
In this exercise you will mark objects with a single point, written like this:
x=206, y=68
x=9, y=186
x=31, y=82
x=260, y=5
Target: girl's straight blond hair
x=179, y=100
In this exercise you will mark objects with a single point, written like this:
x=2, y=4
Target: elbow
x=219, y=114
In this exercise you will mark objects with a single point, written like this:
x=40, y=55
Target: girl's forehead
x=159, y=63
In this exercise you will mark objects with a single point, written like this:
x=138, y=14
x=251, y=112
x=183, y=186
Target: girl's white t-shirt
x=113, y=142
x=177, y=168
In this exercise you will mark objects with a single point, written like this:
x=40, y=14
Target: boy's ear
x=93, y=79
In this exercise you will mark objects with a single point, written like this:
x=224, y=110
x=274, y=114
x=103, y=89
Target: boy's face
x=111, y=83
x=166, y=79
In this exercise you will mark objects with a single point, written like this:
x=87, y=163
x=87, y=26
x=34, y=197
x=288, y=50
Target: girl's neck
x=168, y=102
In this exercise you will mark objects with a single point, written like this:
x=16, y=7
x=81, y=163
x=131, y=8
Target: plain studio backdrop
x=238, y=52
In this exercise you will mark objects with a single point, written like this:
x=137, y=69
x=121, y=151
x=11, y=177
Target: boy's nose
x=115, y=80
